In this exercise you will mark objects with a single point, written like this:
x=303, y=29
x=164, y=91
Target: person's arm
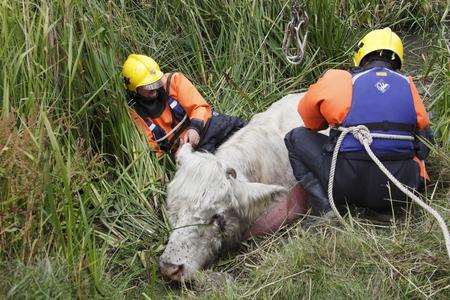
x=422, y=116
x=309, y=108
x=423, y=130
x=422, y=126
x=327, y=101
x=197, y=109
x=142, y=126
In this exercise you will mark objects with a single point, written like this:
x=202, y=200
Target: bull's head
x=210, y=206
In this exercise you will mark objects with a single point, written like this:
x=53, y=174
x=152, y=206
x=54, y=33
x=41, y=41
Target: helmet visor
x=149, y=91
x=151, y=86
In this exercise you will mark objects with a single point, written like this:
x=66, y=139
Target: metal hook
x=292, y=35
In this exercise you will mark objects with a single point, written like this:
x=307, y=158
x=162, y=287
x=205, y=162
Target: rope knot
x=362, y=134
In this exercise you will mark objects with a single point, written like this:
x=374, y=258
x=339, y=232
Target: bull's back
x=281, y=116
x=258, y=149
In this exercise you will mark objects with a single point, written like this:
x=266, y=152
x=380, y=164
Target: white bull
x=213, y=199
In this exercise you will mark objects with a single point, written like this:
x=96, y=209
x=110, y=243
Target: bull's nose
x=171, y=271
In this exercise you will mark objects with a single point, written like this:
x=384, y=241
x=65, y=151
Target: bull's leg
x=281, y=212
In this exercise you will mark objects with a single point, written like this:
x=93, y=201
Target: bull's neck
x=238, y=159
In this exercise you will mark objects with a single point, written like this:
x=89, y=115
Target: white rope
x=173, y=130
x=363, y=135
x=392, y=137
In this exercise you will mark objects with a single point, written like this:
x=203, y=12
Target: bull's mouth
x=182, y=273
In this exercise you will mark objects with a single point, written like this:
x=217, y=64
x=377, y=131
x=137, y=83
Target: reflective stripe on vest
x=178, y=114
x=177, y=110
x=381, y=100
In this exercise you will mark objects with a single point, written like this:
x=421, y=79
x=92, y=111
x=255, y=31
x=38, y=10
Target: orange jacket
x=185, y=93
x=328, y=101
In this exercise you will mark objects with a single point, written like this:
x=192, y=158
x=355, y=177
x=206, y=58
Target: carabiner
x=292, y=36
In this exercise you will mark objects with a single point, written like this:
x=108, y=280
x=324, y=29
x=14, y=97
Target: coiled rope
x=363, y=135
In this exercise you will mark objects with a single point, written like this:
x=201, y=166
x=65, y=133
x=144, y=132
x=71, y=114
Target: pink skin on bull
x=213, y=199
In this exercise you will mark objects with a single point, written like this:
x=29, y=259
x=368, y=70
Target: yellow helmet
x=380, y=39
x=139, y=70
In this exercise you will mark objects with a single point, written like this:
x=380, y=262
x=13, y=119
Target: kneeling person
x=376, y=95
x=170, y=110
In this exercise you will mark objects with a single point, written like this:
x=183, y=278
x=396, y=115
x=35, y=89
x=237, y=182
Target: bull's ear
x=183, y=153
x=253, y=195
x=258, y=191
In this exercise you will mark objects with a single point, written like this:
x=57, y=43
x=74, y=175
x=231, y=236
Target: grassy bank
x=81, y=197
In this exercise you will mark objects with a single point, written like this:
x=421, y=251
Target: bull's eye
x=219, y=221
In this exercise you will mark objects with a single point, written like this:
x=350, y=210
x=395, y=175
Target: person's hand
x=191, y=136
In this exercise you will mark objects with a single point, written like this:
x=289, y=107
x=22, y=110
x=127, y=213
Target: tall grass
x=81, y=196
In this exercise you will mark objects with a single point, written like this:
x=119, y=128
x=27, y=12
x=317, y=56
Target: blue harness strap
x=158, y=132
x=178, y=114
x=381, y=100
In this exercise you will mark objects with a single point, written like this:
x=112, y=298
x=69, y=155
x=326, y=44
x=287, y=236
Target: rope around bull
x=363, y=135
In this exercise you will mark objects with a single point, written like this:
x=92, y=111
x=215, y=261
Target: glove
x=191, y=136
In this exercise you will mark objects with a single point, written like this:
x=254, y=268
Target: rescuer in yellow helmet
x=373, y=94
x=170, y=110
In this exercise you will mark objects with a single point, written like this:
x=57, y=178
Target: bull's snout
x=171, y=271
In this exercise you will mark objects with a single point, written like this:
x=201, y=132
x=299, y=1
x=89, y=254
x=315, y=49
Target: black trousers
x=356, y=182
x=219, y=128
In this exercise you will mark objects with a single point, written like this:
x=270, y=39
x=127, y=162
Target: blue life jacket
x=382, y=100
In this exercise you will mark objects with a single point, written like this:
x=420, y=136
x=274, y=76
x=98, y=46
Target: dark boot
x=318, y=200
